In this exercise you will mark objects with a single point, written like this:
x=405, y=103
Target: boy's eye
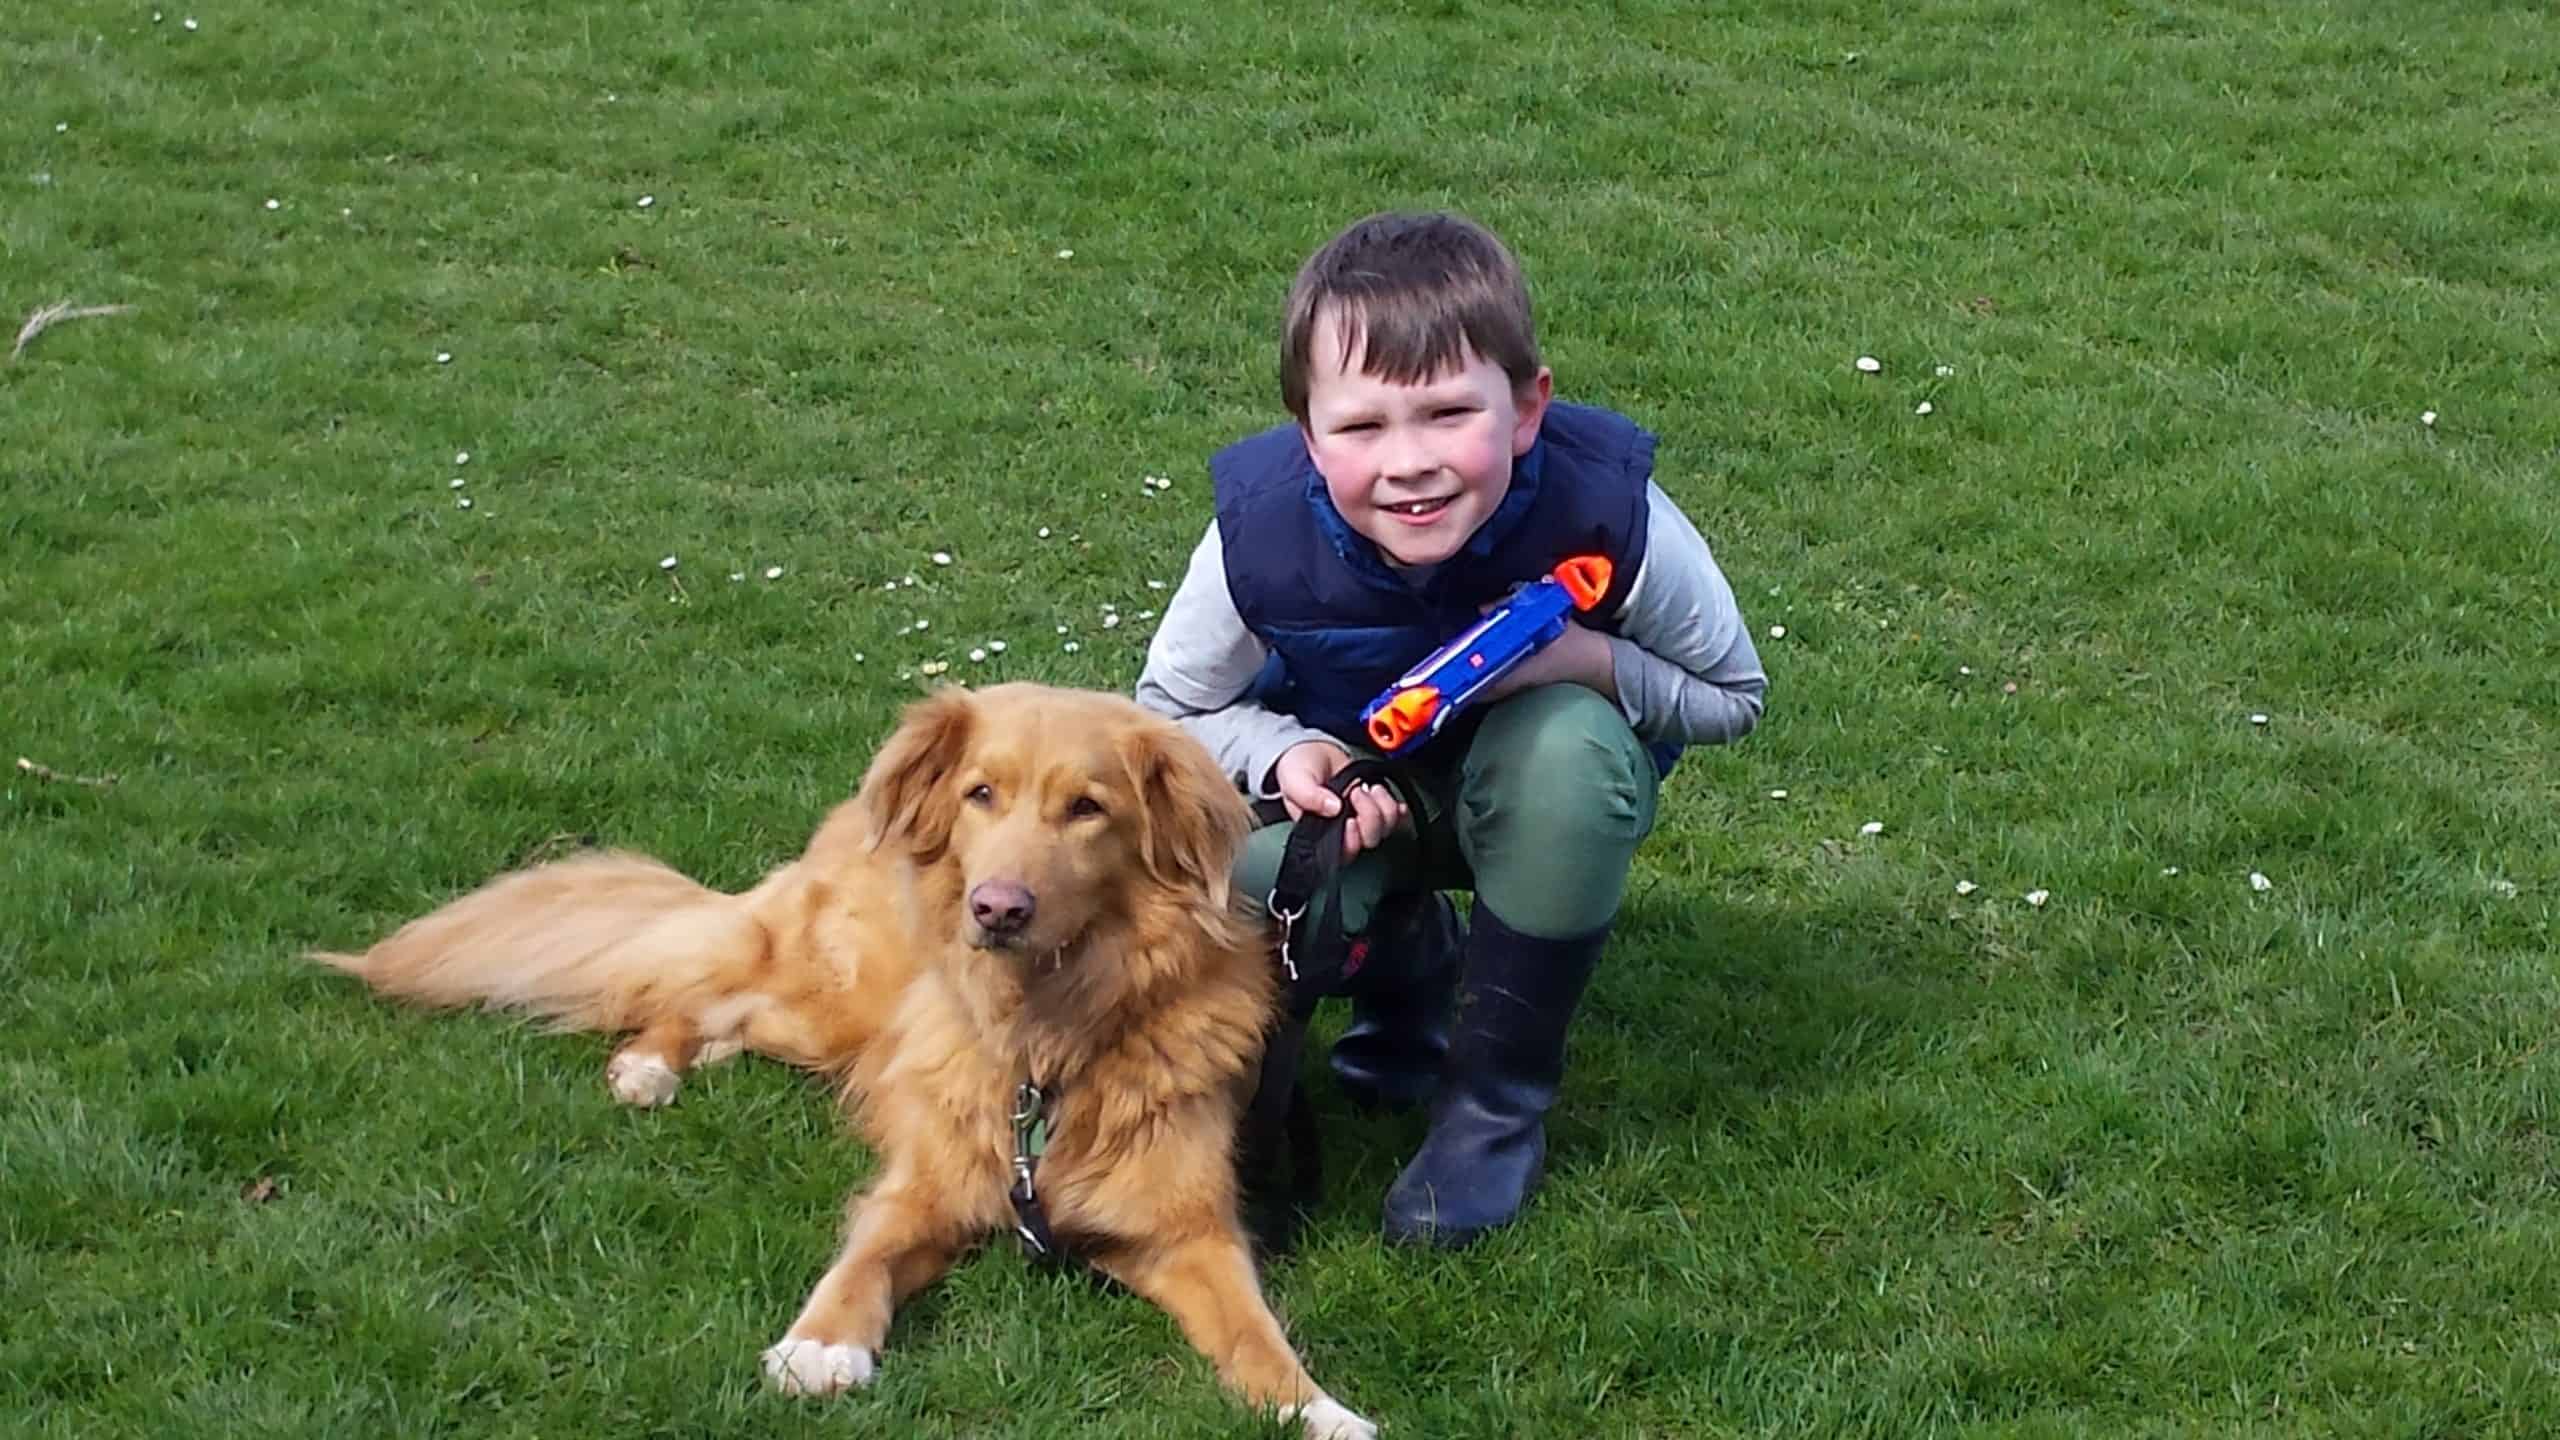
x=1452, y=412
x=981, y=795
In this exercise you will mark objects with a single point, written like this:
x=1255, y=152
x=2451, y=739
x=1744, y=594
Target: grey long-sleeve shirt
x=1686, y=669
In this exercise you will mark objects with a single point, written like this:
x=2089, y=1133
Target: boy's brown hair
x=1414, y=293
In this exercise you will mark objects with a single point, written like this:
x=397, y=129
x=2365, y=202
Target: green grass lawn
x=1843, y=1151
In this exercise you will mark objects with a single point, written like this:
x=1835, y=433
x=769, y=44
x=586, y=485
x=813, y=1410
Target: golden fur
x=1029, y=883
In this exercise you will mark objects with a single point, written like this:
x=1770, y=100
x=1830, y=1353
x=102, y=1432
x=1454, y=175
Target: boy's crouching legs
x=1391, y=1054
x=1554, y=798
x=1389, y=1058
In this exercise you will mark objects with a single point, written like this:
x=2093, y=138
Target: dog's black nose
x=1001, y=909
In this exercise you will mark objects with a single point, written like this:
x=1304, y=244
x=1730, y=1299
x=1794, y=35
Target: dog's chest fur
x=946, y=1073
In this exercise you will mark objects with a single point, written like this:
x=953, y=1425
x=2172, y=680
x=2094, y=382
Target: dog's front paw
x=1326, y=1418
x=814, y=1367
x=642, y=1079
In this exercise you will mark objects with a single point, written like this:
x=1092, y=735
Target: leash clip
x=1030, y=1142
x=1288, y=919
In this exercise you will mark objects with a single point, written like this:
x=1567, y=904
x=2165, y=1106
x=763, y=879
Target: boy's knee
x=1257, y=868
x=1565, y=756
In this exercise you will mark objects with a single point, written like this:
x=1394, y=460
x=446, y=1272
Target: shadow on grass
x=1702, y=1014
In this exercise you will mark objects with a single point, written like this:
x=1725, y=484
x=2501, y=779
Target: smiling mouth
x=1419, y=509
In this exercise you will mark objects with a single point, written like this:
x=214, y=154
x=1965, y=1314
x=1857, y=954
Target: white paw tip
x=1326, y=1418
x=640, y=1079
x=813, y=1367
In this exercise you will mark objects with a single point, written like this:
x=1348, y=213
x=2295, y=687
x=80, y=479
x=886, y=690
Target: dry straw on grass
x=58, y=311
x=47, y=772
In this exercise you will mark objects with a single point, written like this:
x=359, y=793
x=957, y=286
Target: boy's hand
x=1579, y=656
x=1300, y=775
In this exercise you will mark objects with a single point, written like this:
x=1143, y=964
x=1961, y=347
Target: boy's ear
x=1531, y=401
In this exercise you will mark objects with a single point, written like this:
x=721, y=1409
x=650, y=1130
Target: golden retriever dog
x=1028, y=888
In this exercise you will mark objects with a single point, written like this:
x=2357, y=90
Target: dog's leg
x=1207, y=1284
x=900, y=1241
x=647, y=1071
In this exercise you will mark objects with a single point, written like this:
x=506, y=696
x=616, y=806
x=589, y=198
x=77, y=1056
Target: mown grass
x=1842, y=1151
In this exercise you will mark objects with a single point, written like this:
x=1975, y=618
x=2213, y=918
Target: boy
x=1429, y=472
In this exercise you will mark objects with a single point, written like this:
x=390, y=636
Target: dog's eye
x=981, y=795
x=1084, y=807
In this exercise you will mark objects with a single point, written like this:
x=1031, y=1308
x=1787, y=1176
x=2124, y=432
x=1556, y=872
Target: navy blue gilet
x=1341, y=624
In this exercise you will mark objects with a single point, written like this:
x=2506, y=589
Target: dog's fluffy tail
x=606, y=941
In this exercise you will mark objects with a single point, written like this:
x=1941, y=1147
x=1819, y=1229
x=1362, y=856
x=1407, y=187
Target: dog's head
x=1052, y=812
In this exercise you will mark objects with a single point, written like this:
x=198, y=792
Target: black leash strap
x=1308, y=864
x=1281, y=1158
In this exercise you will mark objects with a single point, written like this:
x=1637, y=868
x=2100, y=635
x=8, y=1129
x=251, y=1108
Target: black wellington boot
x=1390, y=1057
x=1487, y=1149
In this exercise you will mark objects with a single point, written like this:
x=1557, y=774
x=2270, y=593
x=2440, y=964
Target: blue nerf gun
x=1414, y=708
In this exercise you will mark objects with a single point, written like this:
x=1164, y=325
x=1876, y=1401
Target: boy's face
x=1416, y=468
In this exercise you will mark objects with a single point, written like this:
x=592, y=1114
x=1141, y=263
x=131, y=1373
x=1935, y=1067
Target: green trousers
x=1538, y=812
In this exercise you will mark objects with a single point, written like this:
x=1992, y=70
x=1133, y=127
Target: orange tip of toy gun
x=1585, y=578
x=1405, y=716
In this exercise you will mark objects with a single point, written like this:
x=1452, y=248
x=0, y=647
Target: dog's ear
x=1191, y=819
x=904, y=794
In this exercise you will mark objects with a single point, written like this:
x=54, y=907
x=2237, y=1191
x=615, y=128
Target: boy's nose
x=1404, y=456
